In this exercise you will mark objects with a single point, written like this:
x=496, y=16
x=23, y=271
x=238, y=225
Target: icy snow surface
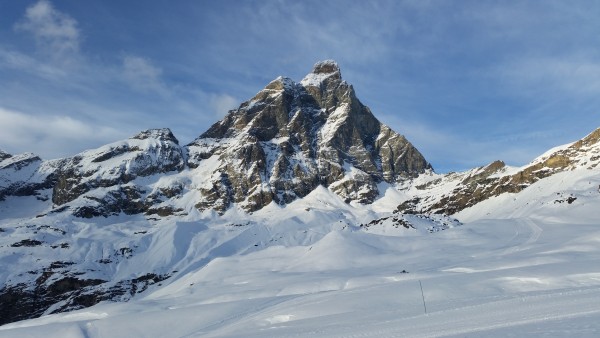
x=521, y=265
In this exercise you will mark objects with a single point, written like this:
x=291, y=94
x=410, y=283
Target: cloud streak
x=54, y=32
x=571, y=74
x=142, y=75
x=50, y=134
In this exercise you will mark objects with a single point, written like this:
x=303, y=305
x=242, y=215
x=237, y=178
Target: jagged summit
x=163, y=134
x=282, y=144
x=4, y=155
x=323, y=72
x=326, y=67
x=292, y=137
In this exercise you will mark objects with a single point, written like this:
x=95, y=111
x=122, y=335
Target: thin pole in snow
x=423, y=296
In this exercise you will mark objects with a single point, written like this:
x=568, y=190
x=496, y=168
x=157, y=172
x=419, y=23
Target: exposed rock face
x=54, y=292
x=105, y=175
x=22, y=175
x=280, y=145
x=474, y=186
x=292, y=137
x=4, y=155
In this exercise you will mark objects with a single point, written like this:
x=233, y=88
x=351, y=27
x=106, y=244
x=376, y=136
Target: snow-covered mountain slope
x=24, y=174
x=454, y=192
x=306, y=270
x=87, y=221
x=119, y=177
x=58, y=262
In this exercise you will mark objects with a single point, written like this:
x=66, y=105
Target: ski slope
x=520, y=265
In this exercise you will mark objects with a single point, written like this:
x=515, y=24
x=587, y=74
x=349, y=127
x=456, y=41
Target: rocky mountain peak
x=326, y=67
x=282, y=144
x=292, y=137
x=4, y=155
x=161, y=134
x=324, y=74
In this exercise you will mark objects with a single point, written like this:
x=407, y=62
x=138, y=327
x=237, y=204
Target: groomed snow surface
x=521, y=265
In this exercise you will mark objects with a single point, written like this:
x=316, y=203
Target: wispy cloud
x=55, y=32
x=142, y=75
x=222, y=103
x=50, y=134
x=571, y=74
x=14, y=60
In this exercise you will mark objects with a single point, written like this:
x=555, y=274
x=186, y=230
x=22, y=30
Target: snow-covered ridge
x=16, y=162
x=4, y=155
x=454, y=192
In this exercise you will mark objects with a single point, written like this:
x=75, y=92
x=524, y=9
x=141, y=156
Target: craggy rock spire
x=292, y=137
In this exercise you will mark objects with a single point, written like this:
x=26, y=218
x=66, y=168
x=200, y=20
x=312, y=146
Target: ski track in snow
x=473, y=318
x=526, y=228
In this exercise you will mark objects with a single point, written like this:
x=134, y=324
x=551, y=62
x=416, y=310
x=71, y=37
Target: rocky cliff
x=292, y=137
x=280, y=145
x=454, y=192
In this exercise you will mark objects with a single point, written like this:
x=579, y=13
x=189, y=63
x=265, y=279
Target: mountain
x=19, y=175
x=299, y=196
x=517, y=264
x=454, y=192
x=287, y=142
x=277, y=147
x=293, y=137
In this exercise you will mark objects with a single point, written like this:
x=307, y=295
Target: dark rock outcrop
x=150, y=152
x=4, y=155
x=65, y=292
x=483, y=183
x=23, y=175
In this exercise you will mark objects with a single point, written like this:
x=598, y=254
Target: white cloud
x=15, y=60
x=223, y=103
x=142, y=75
x=55, y=32
x=50, y=136
x=452, y=150
x=573, y=75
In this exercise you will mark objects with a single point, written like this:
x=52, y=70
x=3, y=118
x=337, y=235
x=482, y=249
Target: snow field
x=521, y=265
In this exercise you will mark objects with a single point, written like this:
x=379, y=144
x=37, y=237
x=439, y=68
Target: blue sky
x=467, y=82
